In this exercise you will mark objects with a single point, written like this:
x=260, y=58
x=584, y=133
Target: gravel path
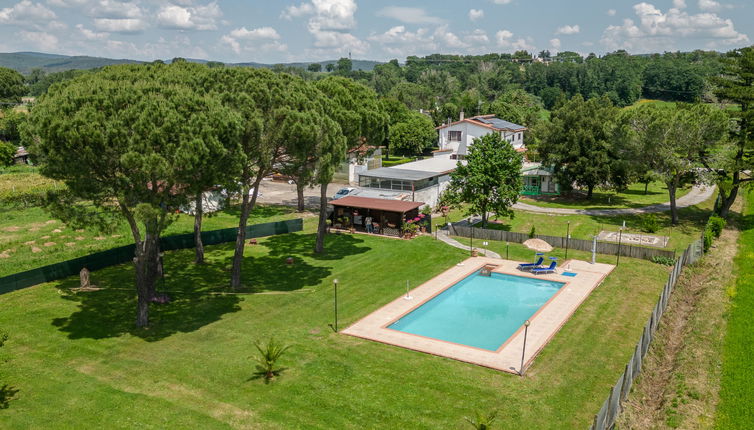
x=697, y=195
x=443, y=236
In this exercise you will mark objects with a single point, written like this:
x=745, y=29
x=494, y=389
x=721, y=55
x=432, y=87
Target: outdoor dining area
x=376, y=216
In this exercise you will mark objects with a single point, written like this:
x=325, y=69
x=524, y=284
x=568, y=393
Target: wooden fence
x=608, y=248
x=611, y=408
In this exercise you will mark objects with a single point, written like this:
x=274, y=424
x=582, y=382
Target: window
x=454, y=136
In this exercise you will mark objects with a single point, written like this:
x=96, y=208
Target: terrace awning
x=399, y=206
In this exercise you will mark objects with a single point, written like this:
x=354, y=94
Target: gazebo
x=387, y=216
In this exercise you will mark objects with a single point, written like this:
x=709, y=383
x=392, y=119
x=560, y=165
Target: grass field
x=692, y=221
x=396, y=160
x=30, y=238
x=76, y=360
x=632, y=197
x=735, y=410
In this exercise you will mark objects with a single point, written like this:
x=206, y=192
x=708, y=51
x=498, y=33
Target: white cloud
x=555, y=44
x=657, y=31
x=568, y=29
x=262, y=38
x=126, y=25
x=26, y=11
x=40, y=40
x=409, y=15
x=399, y=41
x=679, y=4
x=501, y=1
x=201, y=17
x=329, y=23
x=115, y=9
x=709, y=5
x=505, y=40
x=476, y=14
x=611, y=12
x=90, y=34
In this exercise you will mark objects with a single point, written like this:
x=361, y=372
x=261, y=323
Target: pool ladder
x=487, y=269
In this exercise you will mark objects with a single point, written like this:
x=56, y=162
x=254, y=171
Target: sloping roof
x=498, y=123
x=377, y=204
x=395, y=173
x=488, y=121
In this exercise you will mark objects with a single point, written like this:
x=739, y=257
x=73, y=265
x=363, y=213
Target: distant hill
x=25, y=62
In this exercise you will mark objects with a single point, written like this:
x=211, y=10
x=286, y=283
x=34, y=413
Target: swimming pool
x=479, y=311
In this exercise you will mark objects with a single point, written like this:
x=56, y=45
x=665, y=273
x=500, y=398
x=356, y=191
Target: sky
x=315, y=30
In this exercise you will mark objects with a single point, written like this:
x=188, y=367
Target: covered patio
x=385, y=216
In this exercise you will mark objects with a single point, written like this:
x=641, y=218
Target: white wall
x=469, y=132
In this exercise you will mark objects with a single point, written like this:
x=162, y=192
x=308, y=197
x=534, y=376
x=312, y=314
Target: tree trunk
x=146, y=263
x=198, y=245
x=646, y=188
x=672, y=186
x=300, y=195
x=247, y=204
x=484, y=218
x=319, y=246
x=590, y=190
x=727, y=201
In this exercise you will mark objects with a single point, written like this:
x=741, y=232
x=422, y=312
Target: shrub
x=716, y=225
x=649, y=223
x=533, y=232
x=482, y=421
x=665, y=261
x=709, y=237
x=267, y=360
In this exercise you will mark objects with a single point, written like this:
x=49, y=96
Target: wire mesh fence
x=608, y=248
x=608, y=413
x=124, y=254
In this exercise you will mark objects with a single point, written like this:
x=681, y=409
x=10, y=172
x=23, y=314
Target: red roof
x=377, y=204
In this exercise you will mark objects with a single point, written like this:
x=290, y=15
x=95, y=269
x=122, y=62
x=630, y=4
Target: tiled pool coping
x=544, y=323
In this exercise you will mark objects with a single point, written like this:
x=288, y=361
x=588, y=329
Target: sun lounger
x=550, y=268
x=529, y=266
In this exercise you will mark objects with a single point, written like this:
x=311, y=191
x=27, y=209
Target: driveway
x=283, y=193
x=697, y=195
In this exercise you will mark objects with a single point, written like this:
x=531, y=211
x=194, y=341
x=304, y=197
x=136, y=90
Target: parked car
x=343, y=192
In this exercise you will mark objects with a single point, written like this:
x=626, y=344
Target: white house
x=425, y=180
x=457, y=137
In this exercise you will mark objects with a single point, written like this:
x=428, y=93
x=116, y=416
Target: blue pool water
x=479, y=311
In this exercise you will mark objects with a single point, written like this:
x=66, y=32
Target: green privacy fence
x=124, y=254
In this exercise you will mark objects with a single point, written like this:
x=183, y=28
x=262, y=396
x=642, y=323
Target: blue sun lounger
x=529, y=266
x=550, y=268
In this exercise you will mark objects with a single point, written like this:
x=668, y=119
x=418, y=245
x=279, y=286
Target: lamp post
x=523, y=350
x=471, y=248
x=335, y=284
x=568, y=238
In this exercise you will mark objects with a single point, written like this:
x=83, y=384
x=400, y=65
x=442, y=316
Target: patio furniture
x=549, y=269
x=530, y=266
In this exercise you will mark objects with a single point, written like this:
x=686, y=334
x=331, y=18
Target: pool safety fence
x=608, y=248
x=611, y=408
x=125, y=254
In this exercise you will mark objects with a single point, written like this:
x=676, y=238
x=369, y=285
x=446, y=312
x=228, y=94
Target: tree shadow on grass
x=111, y=311
x=337, y=246
x=7, y=393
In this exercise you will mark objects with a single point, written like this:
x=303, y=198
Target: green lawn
x=30, y=238
x=692, y=221
x=396, y=160
x=736, y=394
x=75, y=360
x=632, y=197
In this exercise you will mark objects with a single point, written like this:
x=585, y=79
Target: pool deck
x=545, y=323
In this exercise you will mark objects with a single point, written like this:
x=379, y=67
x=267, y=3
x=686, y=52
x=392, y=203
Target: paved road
x=697, y=195
x=283, y=193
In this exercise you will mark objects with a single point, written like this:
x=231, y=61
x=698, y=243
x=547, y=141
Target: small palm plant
x=482, y=421
x=267, y=359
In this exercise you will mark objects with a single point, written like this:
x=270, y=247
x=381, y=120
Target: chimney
x=462, y=115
